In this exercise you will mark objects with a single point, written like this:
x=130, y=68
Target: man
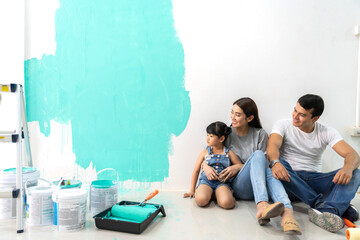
x=294, y=150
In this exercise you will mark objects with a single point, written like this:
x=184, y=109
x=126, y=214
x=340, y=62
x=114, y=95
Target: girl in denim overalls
x=218, y=157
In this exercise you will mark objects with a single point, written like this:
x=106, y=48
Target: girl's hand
x=210, y=172
x=228, y=173
x=189, y=194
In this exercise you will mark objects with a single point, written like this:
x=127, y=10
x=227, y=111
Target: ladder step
x=8, y=87
x=12, y=138
x=9, y=192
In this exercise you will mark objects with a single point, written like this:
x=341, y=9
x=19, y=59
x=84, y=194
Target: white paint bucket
x=8, y=180
x=39, y=204
x=70, y=209
x=103, y=193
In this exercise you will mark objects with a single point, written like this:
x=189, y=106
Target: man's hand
x=343, y=176
x=280, y=172
x=210, y=172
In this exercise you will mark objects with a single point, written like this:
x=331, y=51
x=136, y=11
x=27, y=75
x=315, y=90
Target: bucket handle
x=109, y=169
x=42, y=179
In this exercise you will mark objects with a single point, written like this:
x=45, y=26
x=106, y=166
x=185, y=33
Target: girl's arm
x=195, y=174
x=232, y=170
x=210, y=172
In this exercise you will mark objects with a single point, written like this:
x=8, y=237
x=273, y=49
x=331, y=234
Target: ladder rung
x=9, y=192
x=13, y=138
x=8, y=87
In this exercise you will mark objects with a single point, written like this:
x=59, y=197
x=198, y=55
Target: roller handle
x=349, y=223
x=150, y=196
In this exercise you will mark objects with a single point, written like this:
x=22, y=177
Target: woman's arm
x=232, y=170
x=195, y=174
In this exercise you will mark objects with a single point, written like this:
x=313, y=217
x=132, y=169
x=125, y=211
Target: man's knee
x=356, y=177
x=285, y=164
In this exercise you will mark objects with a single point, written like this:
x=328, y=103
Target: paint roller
x=134, y=213
x=352, y=233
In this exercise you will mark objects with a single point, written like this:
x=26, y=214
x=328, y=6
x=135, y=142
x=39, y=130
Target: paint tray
x=125, y=226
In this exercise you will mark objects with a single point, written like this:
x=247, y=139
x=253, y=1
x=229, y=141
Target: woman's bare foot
x=260, y=208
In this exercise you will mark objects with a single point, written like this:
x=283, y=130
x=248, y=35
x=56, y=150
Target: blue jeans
x=318, y=191
x=256, y=181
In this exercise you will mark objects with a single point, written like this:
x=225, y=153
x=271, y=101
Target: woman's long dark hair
x=249, y=108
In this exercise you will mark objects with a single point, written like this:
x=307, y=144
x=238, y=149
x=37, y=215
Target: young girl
x=218, y=157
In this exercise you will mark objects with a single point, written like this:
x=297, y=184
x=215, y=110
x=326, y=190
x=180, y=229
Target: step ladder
x=17, y=136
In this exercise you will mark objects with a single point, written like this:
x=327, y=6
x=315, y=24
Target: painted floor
x=184, y=220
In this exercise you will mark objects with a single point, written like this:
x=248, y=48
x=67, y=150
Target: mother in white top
x=295, y=149
x=253, y=180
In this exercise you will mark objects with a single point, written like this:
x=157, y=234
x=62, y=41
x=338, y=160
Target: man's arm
x=273, y=153
x=351, y=162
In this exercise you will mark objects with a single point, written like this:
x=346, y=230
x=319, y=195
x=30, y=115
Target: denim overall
x=219, y=162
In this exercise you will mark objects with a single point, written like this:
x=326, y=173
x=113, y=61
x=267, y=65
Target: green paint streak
x=118, y=76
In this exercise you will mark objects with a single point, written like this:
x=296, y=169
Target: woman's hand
x=189, y=194
x=210, y=172
x=229, y=172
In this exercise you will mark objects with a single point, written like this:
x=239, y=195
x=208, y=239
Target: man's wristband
x=272, y=163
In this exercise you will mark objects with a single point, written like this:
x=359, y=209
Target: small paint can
x=39, y=204
x=8, y=180
x=70, y=209
x=103, y=193
x=68, y=184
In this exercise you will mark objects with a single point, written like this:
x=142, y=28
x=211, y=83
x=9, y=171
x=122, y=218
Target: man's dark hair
x=312, y=102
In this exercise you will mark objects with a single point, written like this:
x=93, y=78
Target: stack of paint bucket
x=103, y=193
x=8, y=180
x=39, y=204
x=69, y=206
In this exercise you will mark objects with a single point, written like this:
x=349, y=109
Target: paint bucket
x=68, y=184
x=39, y=204
x=103, y=193
x=69, y=209
x=8, y=180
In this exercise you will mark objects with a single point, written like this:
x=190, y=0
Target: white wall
x=271, y=50
x=11, y=70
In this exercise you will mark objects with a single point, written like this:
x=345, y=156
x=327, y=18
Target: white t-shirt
x=303, y=150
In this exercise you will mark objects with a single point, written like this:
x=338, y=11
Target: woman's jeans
x=256, y=181
x=318, y=191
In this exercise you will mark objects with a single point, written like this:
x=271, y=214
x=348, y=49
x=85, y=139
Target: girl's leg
x=224, y=197
x=203, y=195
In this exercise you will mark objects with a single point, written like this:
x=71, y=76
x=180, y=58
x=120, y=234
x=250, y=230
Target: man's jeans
x=318, y=191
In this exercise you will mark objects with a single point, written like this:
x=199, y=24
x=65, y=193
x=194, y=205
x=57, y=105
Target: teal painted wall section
x=118, y=76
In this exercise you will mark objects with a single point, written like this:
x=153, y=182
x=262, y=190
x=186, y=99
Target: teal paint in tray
x=118, y=77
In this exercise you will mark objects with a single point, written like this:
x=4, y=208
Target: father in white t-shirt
x=294, y=150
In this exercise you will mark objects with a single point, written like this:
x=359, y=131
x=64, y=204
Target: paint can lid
x=9, y=175
x=102, y=183
x=41, y=190
x=69, y=194
x=69, y=184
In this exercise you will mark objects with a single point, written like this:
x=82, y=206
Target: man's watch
x=272, y=163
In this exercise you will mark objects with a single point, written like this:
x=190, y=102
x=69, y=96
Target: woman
x=253, y=179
